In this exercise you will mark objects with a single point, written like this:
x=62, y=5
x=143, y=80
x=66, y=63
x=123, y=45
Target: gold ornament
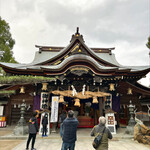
x=77, y=102
x=22, y=89
x=61, y=99
x=112, y=87
x=129, y=91
x=44, y=86
x=95, y=101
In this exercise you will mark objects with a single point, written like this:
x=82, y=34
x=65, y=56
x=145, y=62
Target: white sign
x=54, y=109
x=41, y=126
x=1, y=110
x=110, y=122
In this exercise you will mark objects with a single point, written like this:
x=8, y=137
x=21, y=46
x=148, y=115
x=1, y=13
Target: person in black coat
x=45, y=123
x=33, y=129
x=69, y=131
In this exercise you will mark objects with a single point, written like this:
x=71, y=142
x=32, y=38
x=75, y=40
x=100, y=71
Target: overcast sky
x=123, y=24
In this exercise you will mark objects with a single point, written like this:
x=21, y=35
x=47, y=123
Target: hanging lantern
x=95, y=100
x=44, y=86
x=112, y=87
x=61, y=99
x=129, y=91
x=77, y=102
x=22, y=89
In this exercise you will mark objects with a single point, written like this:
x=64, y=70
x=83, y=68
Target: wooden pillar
x=126, y=114
x=95, y=117
x=64, y=107
x=6, y=114
x=100, y=106
x=9, y=111
x=81, y=109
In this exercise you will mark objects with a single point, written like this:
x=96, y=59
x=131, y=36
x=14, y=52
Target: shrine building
x=86, y=80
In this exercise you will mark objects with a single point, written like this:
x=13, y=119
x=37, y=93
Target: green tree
x=6, y=43
x=148, y=43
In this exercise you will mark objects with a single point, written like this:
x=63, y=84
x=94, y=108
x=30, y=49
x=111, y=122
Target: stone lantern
x=131, y=123
x=21, y=122
x=21, y=129
x=131, y=111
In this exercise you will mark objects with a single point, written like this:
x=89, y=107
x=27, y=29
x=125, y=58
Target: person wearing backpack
x=104, y=131
x=33, y=130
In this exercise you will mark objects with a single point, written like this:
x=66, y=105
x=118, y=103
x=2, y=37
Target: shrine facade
x=86, y=80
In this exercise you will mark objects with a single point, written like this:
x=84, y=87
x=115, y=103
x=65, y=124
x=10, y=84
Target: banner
x=44, y=100
x=1, y=110
x=54, y=109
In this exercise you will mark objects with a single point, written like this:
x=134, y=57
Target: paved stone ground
x=120, y=141
x=84, y=144
x=9, y=144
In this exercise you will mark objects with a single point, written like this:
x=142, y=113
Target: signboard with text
x=110, y=122
x=54, y=109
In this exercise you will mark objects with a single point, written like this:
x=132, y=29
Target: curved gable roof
x=103, y=60
x=48, y=57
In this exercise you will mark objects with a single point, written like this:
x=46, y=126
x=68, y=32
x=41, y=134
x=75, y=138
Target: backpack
x=98, y=139
x=32, y=126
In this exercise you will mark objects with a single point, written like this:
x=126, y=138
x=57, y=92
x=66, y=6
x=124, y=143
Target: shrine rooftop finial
x=77, y=30
x=77, y=35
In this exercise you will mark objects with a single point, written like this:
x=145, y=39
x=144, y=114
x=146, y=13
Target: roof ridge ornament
x=77, y=30
x=77, y=35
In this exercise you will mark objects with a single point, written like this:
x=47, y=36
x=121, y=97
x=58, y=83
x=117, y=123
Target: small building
x=98, y=81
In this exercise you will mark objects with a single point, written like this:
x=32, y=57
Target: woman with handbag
x=102, y=134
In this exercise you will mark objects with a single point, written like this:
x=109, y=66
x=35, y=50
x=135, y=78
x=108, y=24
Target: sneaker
x=27, y=149
x=33, y=148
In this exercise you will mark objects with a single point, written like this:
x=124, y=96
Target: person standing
x=62, y=117
x=33, y=130
x=69, y=131
x=45, y=123
x=100, y=128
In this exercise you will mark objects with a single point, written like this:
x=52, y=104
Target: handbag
x=98, y=139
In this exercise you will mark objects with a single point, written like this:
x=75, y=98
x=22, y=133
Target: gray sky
x=123, y=24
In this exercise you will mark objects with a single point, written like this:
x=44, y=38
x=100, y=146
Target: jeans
x=68, y=146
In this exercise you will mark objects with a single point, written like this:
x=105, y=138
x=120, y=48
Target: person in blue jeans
x=69, y=137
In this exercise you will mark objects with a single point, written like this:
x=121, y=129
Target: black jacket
x=44, y=121
x=33, y=125
x=69, y=130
